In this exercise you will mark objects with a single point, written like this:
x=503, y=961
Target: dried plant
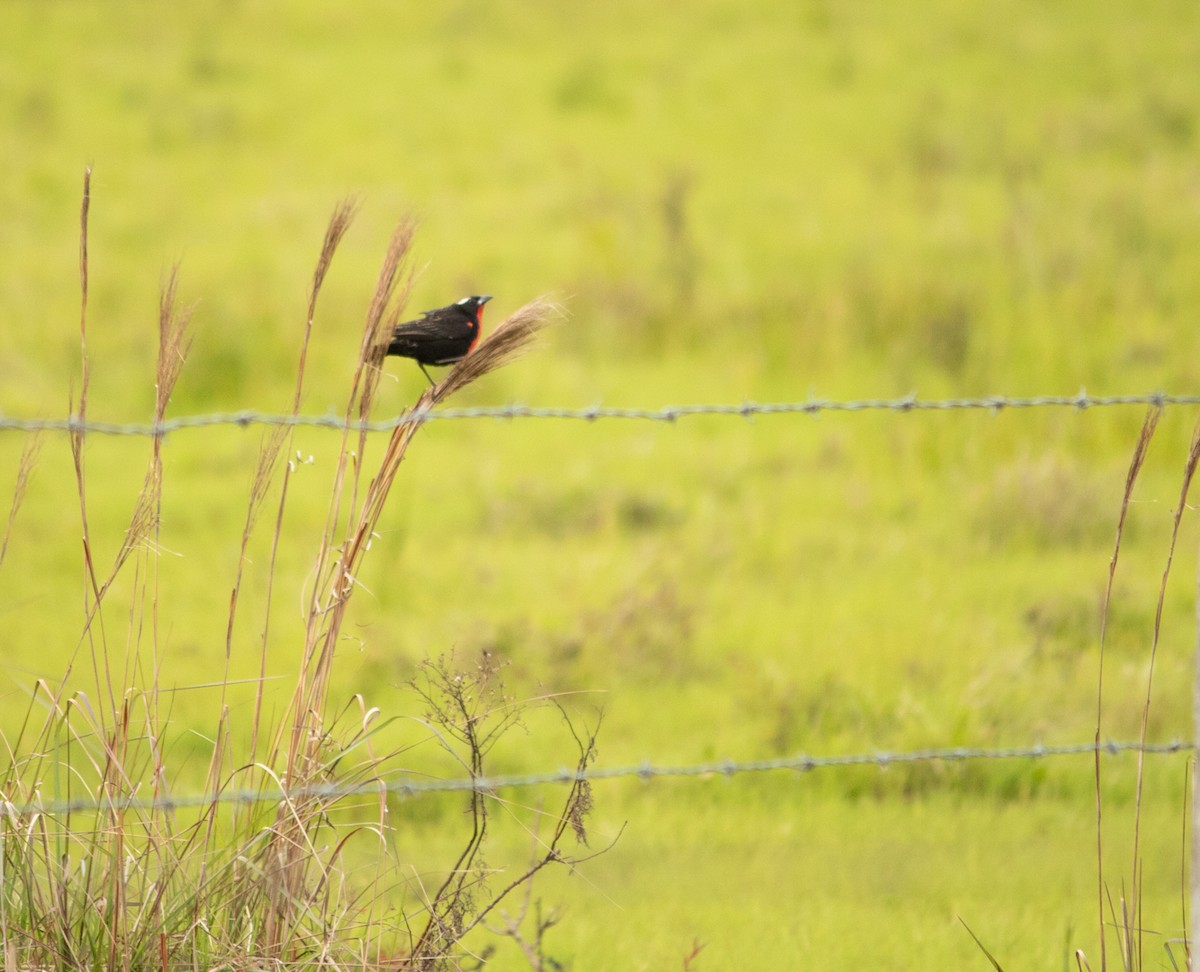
x=301, y=747
x=118, y=874
x=272, y=448
x=28, y=460
x=1137, y=460
x=1126, y=918
x=471, y=714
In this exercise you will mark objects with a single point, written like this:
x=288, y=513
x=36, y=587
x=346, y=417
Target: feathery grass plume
x=339, y=224
x=173, y=346
x=174, y=343
x=513, y=337
x=78, y=456
x=33, y=445
x=383, y=315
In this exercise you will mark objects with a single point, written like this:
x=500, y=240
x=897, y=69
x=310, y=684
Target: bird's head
x=474, y=305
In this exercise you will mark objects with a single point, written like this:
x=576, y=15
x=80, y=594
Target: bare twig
x=463, y=705
x=534, y=950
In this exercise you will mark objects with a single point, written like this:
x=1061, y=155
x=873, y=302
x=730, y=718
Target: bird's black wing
x=435, y=337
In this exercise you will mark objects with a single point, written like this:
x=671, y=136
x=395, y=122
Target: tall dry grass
x=104, y=866
x=1119, y=903
x=1123, y=912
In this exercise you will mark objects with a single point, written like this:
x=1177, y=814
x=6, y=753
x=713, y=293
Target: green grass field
x=734, y=202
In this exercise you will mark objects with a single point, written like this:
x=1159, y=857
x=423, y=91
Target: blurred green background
x=736, y=201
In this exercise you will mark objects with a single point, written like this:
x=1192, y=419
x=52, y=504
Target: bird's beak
x=484, y=299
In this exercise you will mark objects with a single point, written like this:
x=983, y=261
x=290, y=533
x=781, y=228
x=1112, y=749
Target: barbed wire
x=646, y=771
x=593, y=413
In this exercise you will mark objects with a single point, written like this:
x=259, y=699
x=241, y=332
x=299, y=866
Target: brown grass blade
x=92, y=593
x=1189, y=473
x=983, y=948
x=272, y=448
x=324, y=606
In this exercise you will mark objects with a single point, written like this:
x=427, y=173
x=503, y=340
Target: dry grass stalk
x=1189, y=473
x=302, y=735
x=1141, y=448
x=173, y=346
x=512, y=337
x=77, y=435
x=264, y=472
x=983, y=948
x=308, y=699
x=339, y=566
x=156, y=892
x=129, y=849
x=33, y=445
x=363, y=385
x=339, y=224
x=1137, y=460
x=269, y=454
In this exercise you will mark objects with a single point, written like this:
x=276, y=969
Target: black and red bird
x=442, y=336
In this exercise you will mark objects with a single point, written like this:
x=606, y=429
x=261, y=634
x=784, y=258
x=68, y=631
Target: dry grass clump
x=103, y=866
